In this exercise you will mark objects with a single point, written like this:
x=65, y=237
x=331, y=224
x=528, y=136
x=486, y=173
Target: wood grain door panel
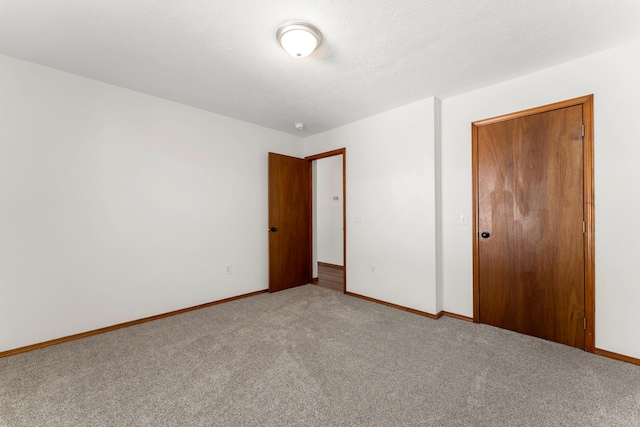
x=290, y=215
x=530, y=199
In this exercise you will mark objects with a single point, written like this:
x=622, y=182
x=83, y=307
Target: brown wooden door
x=531, y=267
x=289, y=222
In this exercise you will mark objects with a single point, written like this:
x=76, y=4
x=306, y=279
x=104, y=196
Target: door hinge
x=585, y=323
x=582, y=130
x=584, y=227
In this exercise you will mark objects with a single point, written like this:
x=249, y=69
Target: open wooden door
x=532, y=261
x=289, y=222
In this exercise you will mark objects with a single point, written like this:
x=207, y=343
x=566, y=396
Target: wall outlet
x=373, y=269
x=228, y=270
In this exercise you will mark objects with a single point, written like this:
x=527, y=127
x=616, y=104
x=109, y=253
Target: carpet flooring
x=314, y=357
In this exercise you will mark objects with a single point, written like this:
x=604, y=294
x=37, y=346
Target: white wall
x=614, y=79
x=329, y=239
x=390, y=177
x=116, y=205
x=314, y=220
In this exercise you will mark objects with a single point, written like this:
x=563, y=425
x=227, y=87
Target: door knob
x=272, y=229
x=485, y=234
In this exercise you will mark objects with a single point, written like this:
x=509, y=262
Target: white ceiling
x=222, y=55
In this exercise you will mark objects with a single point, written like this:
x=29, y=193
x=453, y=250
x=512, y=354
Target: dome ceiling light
x=299, y=39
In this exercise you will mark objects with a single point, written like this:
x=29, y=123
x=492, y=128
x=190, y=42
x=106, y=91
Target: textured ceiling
x=222, y=55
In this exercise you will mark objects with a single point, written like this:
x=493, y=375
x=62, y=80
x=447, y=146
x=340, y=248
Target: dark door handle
x=485, y=234
x=272, y=229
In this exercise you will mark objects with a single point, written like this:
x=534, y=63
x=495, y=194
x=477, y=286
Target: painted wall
x=612, y=76
x=329, y=211
x=314, y=220
x=391, y=211
x=115, y=205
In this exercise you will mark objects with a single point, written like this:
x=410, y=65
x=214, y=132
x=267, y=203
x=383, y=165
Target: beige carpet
x=314, y=357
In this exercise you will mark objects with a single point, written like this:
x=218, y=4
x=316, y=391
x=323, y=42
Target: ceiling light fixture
x=299, y=126
x=299, y=39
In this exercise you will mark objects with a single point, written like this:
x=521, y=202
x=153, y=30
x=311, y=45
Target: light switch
x=463, y=219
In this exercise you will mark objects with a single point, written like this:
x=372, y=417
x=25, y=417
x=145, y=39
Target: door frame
x=588, y=206
x=337, y=152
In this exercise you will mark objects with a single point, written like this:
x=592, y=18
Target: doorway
x=290, y=219
x=533, y=219
x=328, y=211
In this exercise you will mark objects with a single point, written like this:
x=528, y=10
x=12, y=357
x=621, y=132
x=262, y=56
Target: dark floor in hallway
x=331, y=277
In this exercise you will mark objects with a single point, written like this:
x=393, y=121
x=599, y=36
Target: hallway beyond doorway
x=330, y=276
